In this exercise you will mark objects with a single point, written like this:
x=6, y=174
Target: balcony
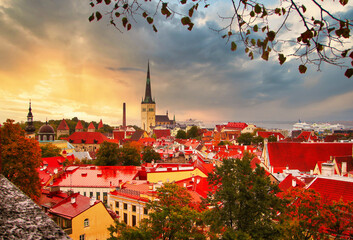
x=68, y=231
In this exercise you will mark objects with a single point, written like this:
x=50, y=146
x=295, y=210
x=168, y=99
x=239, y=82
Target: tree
x=108, y=154
x=243, y=200
x=50, y=150
x=245, y=138
x=193, y=132
x=150, y=154
x=257, y=140
x=181, y=134
x=172, y=215
x=307, y=216
x=128, y=155
x=322, y=34
x=272, y=138
x=20, y=158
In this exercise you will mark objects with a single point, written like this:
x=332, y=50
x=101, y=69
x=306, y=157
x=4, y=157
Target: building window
x=82, y=237
x=98, y=195
x=125, y=206
x=105, y=197
x=133, y=220
x=84, y=194
x=125, y=218
x=86, y=223
x=117, y=213
x=133, y=208
x=145, y=211
x=116, y=204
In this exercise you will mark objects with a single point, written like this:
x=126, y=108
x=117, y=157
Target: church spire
x=30, y=129
x=148, y=92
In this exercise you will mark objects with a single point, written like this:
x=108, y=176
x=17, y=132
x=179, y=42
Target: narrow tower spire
x=148, y=92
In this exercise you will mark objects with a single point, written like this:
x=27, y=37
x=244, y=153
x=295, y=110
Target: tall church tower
x=30, y=129
x=148, y=106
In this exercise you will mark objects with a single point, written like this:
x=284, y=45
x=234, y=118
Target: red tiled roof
x=304, y=156
x=91, y=126
x=161, y=133
x=255, y=161
x=333, y=189
x=100, y=125
x=288, y=183
x=70, y=210
x=96, y=176
x=197, y=184
x=308, y=136
x=49, y=199
x=63, y=125
x=87, y=137
x=79, y=125
x=268, y=134
x=236, y=125
x=119, y=135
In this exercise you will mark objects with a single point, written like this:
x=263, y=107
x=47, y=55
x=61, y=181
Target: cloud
x=52, y=54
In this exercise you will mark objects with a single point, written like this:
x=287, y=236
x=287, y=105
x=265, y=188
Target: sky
x=69, y=67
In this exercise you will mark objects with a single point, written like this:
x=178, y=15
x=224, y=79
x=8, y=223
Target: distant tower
x=100, y=125
x=79, y=127
x=63, y=129
x=30, y=129
x=124, y=115
x=148, y=106
x=91, y=128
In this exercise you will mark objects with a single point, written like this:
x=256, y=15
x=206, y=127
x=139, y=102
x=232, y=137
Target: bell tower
x=148, y=106
x=30, y=129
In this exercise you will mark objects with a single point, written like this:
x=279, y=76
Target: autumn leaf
x=349, y=72
x=281, y=58
x=302, y=69
x=233, y=46
x=98, y=16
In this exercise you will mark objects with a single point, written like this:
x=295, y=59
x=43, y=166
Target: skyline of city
x=70, y=67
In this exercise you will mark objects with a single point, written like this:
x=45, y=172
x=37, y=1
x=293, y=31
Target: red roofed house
x=129, y=202
x=279, y=136
x=63, y=129
x=290, y=181
x=91, y=128
x=301, y=156
x=159, y=133
x=308, y=136
x=79, y=127
x=82, y=218
x=87, y=141
x=95, y=181
x=333, y=189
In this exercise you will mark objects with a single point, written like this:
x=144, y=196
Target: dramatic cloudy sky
x=50, y=53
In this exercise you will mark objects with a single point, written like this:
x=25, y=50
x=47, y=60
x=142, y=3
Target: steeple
x=148, y=92
x=30, y=129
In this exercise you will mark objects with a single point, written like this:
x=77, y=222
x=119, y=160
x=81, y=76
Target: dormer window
x=86, y=223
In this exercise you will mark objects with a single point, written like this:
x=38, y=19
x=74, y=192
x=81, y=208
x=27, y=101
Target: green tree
x=150, y=154
x=245, y=138
x=128, y=155
x=257, y=140
x=172, y=216
x=50, y=150
x=272, y=138
x=243, y=200
x=20, y=158
x=108, y=154
x=193, y=132
x=263, y=29
x=181, y=134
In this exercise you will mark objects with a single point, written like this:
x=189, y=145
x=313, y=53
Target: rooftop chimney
x=73, y=200
x=344, y=168
x=294, y=183
x=124, y=115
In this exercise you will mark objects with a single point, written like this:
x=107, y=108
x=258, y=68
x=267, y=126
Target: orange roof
x=63, y=125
